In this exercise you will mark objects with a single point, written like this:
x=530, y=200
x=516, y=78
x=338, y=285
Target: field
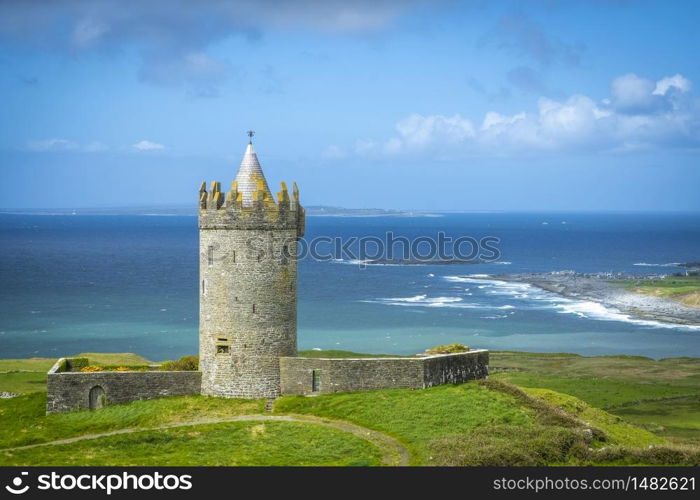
x=683, y=289
x=662, y=396
x=536, y=409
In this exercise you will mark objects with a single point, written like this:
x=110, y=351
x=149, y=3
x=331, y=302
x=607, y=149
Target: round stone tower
x=248, y=274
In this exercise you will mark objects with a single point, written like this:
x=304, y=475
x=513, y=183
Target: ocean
x=129, y=283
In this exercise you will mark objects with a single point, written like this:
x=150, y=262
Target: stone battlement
x=216, y=199
x=219, y=210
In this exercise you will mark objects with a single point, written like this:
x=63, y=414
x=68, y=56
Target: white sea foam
x=647, y=264
x=531, y=297
x=596, y=310
x=355, y=262
x=502, y=263
x=425, y=301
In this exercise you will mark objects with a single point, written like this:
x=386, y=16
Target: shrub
x=447, y=349
x=122, y=369
x=184, y=364
x=75, y=364
x=91, y=368
x=652, y=455
x=510, y=446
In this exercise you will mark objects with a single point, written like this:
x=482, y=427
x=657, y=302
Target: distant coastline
x=187, y=211
x=610, y=291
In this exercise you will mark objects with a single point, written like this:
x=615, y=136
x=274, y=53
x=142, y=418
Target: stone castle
x=248, y=273
x=248, y=323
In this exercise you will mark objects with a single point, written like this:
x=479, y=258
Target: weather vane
x=251, y=133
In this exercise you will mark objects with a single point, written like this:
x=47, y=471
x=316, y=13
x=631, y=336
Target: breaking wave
x=425, y=301
x=531, y=297
x=647, y=264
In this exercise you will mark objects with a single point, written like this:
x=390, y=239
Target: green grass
x=666, y=286
x=453, y=348
x=21, y=382
x=623, y=385
x=28, y=365
x=234, y=443
x=23, y=419
x=677, y=419
x=491, y=423
x=114, y=358
x=416, y=417
x=684, y=289
x=576, y=410
x=616, y=429
x=598, y=392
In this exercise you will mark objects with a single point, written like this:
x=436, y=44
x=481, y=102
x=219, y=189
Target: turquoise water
x=129, y=283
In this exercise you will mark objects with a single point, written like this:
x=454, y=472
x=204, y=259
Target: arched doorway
x=98, y=399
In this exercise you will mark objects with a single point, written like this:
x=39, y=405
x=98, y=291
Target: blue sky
x=538, y=105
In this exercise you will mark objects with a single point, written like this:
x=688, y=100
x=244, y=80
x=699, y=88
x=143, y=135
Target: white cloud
x=640, y=113
x=88, y=31
x=634, y=94
x=202, y=73
x=417, y=132
x=523, y=37
x=95, y=146
x=53, y=144
x=333, y=152
x=148, y=146
x=56, y=144
x=676, y=81
x=365, y=146
x=173, y=37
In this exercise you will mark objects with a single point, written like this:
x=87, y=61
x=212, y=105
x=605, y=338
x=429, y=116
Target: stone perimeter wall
x=365, y=374
x=69, y=391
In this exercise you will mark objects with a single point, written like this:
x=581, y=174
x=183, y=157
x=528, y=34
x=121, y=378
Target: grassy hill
x=662, y=396
x=683, y=289
x=536, y=409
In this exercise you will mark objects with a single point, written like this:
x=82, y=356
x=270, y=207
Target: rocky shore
x=602, y=288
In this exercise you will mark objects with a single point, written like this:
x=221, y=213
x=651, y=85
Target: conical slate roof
x=249, y=173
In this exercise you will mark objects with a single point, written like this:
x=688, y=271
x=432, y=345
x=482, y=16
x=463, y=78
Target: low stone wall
x=455, y=368
x=366, y=374
x=69, y=391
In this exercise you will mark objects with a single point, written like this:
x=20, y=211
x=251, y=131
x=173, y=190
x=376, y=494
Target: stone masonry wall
x=69, y=391
x=364, y=374
x=248, y=309
x=455, y=368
